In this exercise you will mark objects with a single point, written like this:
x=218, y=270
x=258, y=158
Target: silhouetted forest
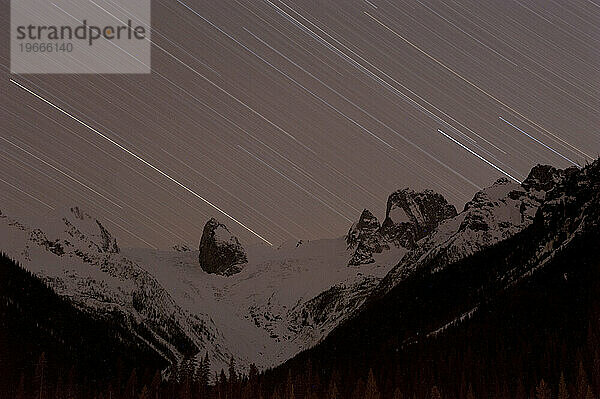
x=545, y=326
x=46, y=341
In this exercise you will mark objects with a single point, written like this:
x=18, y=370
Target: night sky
x=284, y=119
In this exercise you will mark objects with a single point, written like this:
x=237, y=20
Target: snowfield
x=285, y=299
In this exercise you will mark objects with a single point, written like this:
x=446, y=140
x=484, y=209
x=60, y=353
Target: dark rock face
x=364, y=236
x=181, y=248
x=220, y=251
x=109, y=243
x=542, y=178
x=410, y=216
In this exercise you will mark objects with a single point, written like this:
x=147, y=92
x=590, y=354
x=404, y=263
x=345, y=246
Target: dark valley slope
x=79, y=351
x=492, y=324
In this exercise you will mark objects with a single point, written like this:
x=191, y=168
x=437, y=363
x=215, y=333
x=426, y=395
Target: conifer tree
x=155, y=384
x=144, y=394
x=588, y=393
x=470, y=394
x=371, y=391
x=359, y=389
x=542, y=391
x=185, y=371
x=333, y=392
x=253, y=372
x=20, y=394
x=289, y=386
x=223, y=384
x=232, y=372
x=253, y=383
x=563, y=393
x=130, y=387
x=41, y=377
x=582, y=383
x=205, y=370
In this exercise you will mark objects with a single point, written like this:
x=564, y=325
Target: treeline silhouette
x=44, y=336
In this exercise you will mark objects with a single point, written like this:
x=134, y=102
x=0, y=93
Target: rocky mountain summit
x=79, y=259
x=409, y=217
x=84, y=226
x=220, y=251
x=365, y=237
x=518, y=268
x=412, y=215
x=495, y=214
x=281, y=300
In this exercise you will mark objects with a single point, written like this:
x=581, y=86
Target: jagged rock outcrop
x=542, y=178
x=518, y=264
x=364, y=236
x=495, y=214
x=83, y=226
x=75, y=256
x=409, y=217
x=412, y=215
x=220, y=251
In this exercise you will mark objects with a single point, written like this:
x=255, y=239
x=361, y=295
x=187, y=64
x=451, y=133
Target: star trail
x=285, y=118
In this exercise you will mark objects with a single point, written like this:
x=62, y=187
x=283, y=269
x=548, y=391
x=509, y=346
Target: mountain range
x=428, y=297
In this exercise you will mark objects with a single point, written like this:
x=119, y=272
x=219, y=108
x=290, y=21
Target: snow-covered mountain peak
x=77, y=257
x=366, y=226
x=364, y=238
x=494, y=214
x=281, y=302
x=81, y=224
x=70, y=226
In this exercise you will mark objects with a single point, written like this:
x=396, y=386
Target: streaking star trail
x=479, y=156
x=143, y=161
x=539, y=142
x=292, y=116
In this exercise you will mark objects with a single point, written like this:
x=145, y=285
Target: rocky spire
x=364, y=236
x=220, y=251
x=409, y=217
